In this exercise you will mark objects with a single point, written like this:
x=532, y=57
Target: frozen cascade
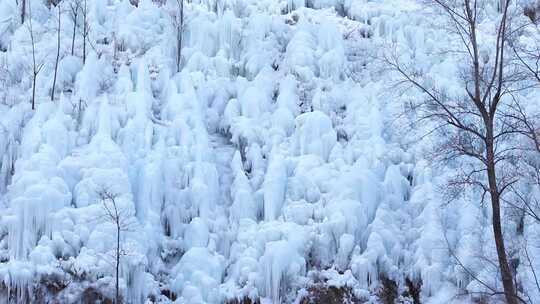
x=273, y=166
x=275, y=183
x=314, y=134
x=280, y=263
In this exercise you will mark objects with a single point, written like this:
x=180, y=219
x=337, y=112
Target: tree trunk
x=85, y=29
x=73, y=36
x=23, y=10
x=180, y=34
x=34, y=92
x=84, y=43
x=117, y=263
x=57, y=55
x=35, y=69
x=178, y=50
x=506, y=273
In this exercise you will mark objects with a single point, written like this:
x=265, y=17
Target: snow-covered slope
x=273, y=163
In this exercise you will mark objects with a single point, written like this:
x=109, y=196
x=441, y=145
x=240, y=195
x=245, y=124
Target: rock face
x=277, y=166
x=330, y=295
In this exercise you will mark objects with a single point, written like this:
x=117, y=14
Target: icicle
x=244, y=205
x=197, y=234
x=275, y=183
x=280, y=263
x=104, y=119
x=143, y=78
x=198, y=275
x=314, y=134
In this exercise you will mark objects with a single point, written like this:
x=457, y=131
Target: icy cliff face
x=271, y=163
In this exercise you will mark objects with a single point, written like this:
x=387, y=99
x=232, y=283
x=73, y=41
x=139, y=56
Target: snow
x=198, y=275
x=275, y=183
x=280, y=262
x=277, y=159
x=314, y=134
x=244, y=204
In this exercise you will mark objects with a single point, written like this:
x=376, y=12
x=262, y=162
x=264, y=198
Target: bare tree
x=80, y=8
x=86, y=27
x=476, y=125
x=528, y=56
x=74, y=7
x=122, y=220
x=57, y=51
x=527, y=123
x=36, y=66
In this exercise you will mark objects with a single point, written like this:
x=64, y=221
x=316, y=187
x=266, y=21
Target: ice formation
x=272, y=162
